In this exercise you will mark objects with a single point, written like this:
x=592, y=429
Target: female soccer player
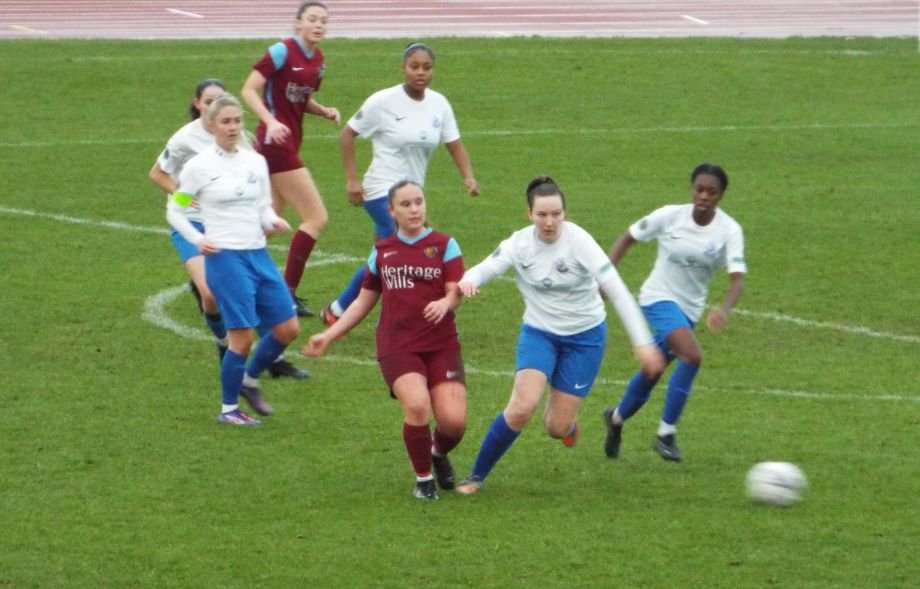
x=415, y=273
x=288, y=75
x=559, y=268
x=231, y=186
x=405, y=124
x=694, y=241
x=187, y=142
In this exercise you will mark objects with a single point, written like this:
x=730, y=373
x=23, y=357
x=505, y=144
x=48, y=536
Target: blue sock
x=231, y=377
x=497, y=441
x=266, y=353
x=353, y=289
x=678, y=391
x=216, y=325
x=637, y=393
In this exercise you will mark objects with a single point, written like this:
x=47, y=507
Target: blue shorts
x=186, y=248
x=249, y=289
x=379, y=211
x=666, y=317
x=570, y=362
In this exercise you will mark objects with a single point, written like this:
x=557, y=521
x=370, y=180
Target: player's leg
x=683, y=344
x=411, y=389
x=578, y=362
x=297, y=188
x=446, y=381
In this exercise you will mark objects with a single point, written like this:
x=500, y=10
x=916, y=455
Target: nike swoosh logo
x=578, y=387
x=526, y=266
x=451, y=373
x=388, y=254
x=297, y=69
x=401, y=118
x=213, y=178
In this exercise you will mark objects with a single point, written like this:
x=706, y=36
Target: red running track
x=183, y=19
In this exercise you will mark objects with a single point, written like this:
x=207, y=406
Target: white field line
x=184, y=13
x=319, y=258
x=155, y=312
x=531, y=132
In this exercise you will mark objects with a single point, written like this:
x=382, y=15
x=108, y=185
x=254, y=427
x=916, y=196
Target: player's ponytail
x=543, y=186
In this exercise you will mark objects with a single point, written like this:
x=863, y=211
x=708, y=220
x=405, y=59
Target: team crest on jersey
x=561, y=267
x=547, y=283
x=711, y=251
x=436, y=123
x=430, y=251
x=251, y=177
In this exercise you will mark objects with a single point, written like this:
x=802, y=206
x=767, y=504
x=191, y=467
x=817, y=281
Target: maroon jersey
x=292, y=76
x=408, y=277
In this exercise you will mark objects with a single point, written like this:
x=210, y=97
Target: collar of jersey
x=303, y=47
x=412, y=240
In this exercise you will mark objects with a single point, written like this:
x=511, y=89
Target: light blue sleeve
x=372, y=262
x=452, y=251
x=279, y=52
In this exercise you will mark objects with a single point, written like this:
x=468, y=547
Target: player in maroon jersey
x=288, y=75
x=415, y=273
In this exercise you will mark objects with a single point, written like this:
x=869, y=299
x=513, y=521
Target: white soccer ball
x=776, y=483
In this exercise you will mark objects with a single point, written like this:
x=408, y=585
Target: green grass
x=113, y=473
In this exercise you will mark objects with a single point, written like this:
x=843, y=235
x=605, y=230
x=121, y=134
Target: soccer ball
x=776, y=483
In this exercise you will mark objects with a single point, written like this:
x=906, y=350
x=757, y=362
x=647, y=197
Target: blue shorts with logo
x=248, y=287
x=379, y=211
x=570, y=362
x=185, y=247
x=666, y=317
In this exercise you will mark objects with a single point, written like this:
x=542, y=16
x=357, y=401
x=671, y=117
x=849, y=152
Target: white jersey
x=559, y=282
x=234, y=196
x=688, y=255
x=185, y=144
x=404, y=133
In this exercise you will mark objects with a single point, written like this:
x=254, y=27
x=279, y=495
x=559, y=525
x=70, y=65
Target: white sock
x=665, y=429
x=423, y=479
x=250, y=381
x=617, y=418
x=228, y=408
x=336, y=308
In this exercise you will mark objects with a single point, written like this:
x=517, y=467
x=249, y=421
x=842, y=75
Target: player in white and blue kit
x=558, y=269
x=694, y=241
x=406, y=124
x=231, y=186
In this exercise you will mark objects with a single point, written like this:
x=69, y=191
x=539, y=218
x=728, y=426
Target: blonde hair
x=245, y=139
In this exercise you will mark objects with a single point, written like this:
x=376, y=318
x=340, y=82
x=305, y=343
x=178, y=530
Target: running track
x=183, y=19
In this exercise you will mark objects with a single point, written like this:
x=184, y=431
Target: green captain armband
x=183, y=199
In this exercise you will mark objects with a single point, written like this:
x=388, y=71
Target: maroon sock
x=418, y=443
x=444, y=444
x=301, y=247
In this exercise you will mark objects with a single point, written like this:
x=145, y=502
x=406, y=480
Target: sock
x=266, y=352
x=231, y=377
x=444, y=444
x=666, y=429
x=637, y=393
x=423, y=479
x=249, y=381
x=350, y=293
x=216, y=325
x=224, y=408
x=497, y=441
x=301, y=247
x=336, y=308
x=418, y=444
x=678, y=391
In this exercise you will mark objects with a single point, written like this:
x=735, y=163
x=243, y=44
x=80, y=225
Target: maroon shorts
x=437, y=367
x=280, y=158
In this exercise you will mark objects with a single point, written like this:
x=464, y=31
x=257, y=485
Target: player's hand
x=436, y=310
x=281, y=225
x=332, y=114
x=716, y=320
x=206, y=248
x=355, y=192
x=467, y=288
x=276, y=132
x=652, y=361
x=316, y=346
x=472, y=186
